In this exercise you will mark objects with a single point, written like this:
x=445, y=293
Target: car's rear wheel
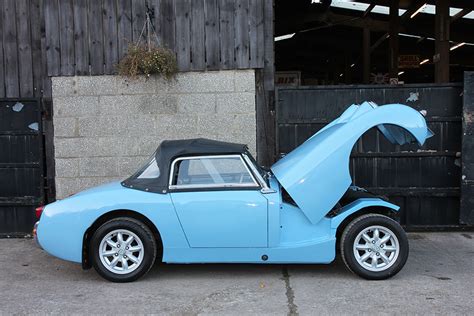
x=123, y=249
x=374, y=247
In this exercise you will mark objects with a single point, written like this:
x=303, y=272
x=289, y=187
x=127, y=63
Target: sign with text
x=288, y=78
x=408, y=61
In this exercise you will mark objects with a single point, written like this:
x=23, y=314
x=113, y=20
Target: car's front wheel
x=374, y=247
x=123, y=249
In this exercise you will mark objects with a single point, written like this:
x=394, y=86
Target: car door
x=218, y=202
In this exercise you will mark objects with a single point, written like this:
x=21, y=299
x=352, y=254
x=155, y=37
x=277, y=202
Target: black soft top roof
x=168, y=150
x=198, y=146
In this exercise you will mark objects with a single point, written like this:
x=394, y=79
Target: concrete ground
x=437, y=279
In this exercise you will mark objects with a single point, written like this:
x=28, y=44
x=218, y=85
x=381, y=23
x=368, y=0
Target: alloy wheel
x=121, y=251
x=376, y=248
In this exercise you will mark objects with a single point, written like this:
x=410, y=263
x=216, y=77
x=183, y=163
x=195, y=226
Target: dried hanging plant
x=143, y=60
x=148, y=59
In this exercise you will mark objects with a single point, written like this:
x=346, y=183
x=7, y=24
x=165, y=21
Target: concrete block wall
x=105, y=127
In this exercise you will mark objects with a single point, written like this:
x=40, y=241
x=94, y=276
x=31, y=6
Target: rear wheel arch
x=86, y=263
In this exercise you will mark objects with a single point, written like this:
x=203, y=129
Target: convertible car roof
x=168, y=150
x=198, y=146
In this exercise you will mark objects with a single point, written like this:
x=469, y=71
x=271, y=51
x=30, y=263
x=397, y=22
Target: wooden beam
x=460, y=14
x=468, y=4
x=347, y=67
x=463, y=4
x=298, y=23
x=330, y=18
x=376, y=2
x=441, y=57
x=461, y=34
x=265, y=89
x=413, y=8
x=394, y=45
x=421, y=39
x=366, y=55
x=368, y=10
x=379, y=42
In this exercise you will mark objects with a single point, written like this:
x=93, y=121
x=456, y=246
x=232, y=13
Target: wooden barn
x=266, y=72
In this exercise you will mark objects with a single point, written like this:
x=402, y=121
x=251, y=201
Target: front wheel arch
x=356, y=262
x=86, y=263
x=366, y=210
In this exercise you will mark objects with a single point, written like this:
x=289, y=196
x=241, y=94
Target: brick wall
x=106, y=126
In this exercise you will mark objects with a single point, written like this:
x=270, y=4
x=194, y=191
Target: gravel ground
x=437, y=279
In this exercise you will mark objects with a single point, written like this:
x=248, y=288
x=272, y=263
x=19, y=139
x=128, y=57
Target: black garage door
x=21, y=165
x=423, y=181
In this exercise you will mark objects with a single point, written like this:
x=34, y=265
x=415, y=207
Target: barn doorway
x=330, y=54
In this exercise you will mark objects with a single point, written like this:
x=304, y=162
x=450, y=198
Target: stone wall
x=105, y=127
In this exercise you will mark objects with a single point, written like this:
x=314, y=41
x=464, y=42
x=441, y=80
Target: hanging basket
x=143, y=60
x=148, y=59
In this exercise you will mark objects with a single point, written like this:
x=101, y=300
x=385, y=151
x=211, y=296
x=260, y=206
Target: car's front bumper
x=35, y=234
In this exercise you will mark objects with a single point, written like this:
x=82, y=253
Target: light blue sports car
x=205, y=201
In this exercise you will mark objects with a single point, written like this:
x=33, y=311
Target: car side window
x=211, y=171
x=150, y=171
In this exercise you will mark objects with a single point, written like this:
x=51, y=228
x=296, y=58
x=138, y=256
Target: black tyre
x=123, y=249
x=374, y=247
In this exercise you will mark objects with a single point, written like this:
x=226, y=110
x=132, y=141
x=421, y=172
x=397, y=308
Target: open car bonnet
x=316, y=173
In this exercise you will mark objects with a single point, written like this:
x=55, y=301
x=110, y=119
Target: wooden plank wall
x=23, y=71
x=44, y=38
x=22, y=40
x=90, y=36
x=265, y=87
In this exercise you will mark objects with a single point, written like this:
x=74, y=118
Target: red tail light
x=39, y=211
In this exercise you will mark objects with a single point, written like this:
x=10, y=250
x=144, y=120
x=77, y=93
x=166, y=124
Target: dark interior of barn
x=374, y=42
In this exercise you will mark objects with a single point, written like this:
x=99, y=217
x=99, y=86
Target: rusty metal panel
x=424, y=181
x=21, y=165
